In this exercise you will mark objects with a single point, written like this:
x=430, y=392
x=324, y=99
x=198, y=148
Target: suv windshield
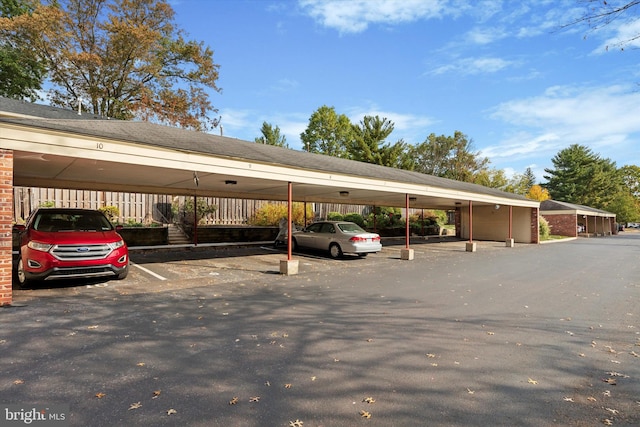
x=56, y=221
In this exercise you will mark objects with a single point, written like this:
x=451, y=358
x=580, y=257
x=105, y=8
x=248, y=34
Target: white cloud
x=602, y=118
x=473, y=66
x=355, y=16
x=624, y=35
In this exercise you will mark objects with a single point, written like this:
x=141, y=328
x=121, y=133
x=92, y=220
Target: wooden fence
x=147, y=208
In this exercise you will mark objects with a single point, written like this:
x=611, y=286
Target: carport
x=80, y=152
x=565, y=218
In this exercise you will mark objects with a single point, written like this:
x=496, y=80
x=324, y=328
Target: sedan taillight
x=364, y=239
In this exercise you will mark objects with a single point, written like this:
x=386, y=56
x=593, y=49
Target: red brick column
x=535, y=226
x=6, y=218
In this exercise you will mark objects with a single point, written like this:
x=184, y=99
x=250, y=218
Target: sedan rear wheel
x=335, y=251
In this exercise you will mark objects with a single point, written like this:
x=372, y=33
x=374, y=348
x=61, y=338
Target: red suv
x=69, y=243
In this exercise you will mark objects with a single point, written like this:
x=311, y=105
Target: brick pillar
x=6, y=218
x=535, y=226
x=458, y=222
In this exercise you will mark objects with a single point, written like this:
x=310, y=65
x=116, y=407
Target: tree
x=626, y=204
x=271, y=136
x=493, y=178
x=122, y=59
x=521, y=183
x=449, y=157
x=630, y=175
x=368, y=144
x=327, y=133
x=536, y=192
x=21, y=71
x=582, y=177
x=600, y=13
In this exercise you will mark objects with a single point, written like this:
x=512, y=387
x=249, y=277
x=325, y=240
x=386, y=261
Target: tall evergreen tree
x=271, y=136
x=369, y=144
x=582, y=177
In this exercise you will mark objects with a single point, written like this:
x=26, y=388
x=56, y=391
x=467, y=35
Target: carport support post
x=195, y=220
x=471, y=245
x=510, y=241
x=407, y=253
x=6, y=216
x=289, y=266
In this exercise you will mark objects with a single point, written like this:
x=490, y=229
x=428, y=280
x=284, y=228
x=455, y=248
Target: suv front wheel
x=21, y=277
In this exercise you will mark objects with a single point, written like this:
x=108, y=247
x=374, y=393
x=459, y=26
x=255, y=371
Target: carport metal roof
x=69, y=151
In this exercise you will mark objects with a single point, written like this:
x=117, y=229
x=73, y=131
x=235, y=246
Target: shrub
x=385, y=217
x=355, y=217
x=203, y=209
x=335, y=216
x=111, y=212
x=545, y=229
x=270, y=214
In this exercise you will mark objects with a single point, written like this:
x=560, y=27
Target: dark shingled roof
x=198, y=142
x=23, y=108
x=555, y=205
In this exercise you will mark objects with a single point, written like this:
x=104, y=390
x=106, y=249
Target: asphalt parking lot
x=535, y=335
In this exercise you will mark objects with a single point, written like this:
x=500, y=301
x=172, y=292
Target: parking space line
x=146, y=270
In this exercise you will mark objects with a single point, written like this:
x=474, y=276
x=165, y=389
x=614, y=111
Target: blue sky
x=501, y=72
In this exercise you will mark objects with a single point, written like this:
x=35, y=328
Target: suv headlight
x=39, y=246
x=116, y=245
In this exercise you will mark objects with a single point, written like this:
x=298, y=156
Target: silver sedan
x=337, y=237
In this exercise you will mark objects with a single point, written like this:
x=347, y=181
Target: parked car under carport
x=338, y=238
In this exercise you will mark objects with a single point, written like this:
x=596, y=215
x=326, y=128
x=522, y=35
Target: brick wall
x=6, y=217
x=535, y=226
x=563, y=225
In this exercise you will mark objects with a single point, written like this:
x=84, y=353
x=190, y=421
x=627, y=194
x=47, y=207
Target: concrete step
x=176, y=236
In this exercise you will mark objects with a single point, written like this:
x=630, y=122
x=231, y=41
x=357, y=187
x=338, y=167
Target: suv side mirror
x=19, y=227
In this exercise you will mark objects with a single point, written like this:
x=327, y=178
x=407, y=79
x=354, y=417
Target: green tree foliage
x=271, y=136
x=328, y=133
x=449, y=157
x=630, y=175
x=521, y=183
x=580, y=176
x=626, y=204
x=493, y=178
x=369, y=144
x=122, y=58
x=21, y=70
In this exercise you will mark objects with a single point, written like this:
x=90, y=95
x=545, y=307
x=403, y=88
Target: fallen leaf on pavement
x=365, y=414
x=530, y=381
x=135, y=405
